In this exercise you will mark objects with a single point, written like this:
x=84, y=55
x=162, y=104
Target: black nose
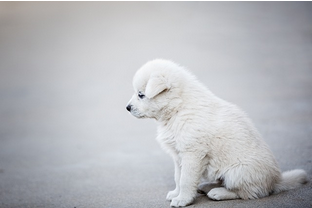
x=128, y=108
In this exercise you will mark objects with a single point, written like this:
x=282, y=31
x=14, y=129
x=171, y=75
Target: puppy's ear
x=155, y=85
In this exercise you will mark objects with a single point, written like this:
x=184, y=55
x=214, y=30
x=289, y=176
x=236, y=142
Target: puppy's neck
x=167, y=116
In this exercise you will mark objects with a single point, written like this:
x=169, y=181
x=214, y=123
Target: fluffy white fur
x=207, y=137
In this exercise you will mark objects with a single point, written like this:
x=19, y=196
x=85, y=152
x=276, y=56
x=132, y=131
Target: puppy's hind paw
x=221, y=194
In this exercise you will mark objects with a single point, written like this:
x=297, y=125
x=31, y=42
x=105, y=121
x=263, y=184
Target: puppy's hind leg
x=222, y=193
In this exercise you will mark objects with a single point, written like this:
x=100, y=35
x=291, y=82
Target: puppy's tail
x=290, y=180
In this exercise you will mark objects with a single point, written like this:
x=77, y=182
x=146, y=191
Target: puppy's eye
x=141, y=95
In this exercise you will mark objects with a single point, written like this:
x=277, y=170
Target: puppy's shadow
x=204, y=188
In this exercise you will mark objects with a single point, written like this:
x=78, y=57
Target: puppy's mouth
x=135, y=112
x=137, y=115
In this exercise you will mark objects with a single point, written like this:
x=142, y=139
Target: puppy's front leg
x=177, y=173
x=192, y=168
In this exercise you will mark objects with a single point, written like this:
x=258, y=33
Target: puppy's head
x=153, y=85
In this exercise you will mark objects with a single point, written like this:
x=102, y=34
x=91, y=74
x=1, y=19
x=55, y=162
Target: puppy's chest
x=167, y=137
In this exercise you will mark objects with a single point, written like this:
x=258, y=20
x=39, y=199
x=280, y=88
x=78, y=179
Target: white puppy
x=206, y=137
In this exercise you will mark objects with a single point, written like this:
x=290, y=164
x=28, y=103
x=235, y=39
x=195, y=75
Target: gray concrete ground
x=66, y=69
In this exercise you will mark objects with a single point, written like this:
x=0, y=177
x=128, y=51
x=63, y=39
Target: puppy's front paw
x=181, y=202
x=172, y=194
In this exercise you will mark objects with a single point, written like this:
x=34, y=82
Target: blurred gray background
x=66, y=139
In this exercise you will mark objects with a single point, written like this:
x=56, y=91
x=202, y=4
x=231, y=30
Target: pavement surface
x=66, y=68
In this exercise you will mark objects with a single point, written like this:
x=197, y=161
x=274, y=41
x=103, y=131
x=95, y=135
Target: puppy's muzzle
x=128, y=108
